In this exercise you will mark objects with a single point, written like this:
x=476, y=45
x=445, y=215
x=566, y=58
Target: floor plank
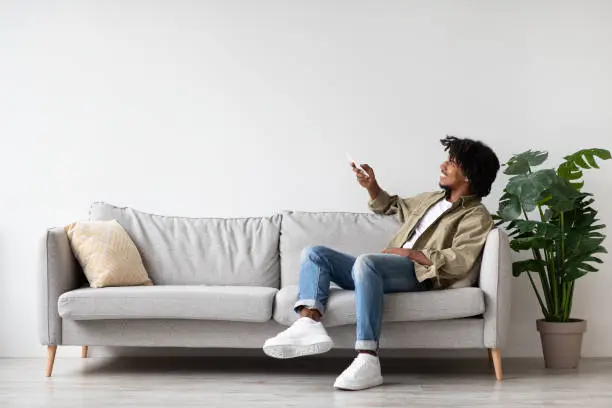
x=261, y=382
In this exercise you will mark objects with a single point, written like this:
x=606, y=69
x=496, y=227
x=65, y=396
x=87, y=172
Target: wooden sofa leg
x=495, y=355
x=84, y=352
x=50, y=359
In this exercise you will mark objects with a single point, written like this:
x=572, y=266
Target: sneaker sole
x=284, y=351
x=350, y=387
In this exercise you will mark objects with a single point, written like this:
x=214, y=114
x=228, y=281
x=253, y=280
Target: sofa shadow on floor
x=308, y=365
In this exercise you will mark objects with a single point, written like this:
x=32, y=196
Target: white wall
x=231, y=108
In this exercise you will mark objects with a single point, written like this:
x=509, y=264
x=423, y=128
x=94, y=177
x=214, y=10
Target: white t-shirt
x=429, y=218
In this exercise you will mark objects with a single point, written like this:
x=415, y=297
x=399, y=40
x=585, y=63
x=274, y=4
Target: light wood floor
x=260, y=382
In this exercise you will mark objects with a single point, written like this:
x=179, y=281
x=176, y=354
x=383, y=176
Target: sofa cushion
x=107, y=254
x=352, y=233
x=231, y=303
x=201, y=251
x=398, y=307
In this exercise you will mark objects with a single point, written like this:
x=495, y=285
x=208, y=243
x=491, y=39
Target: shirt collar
x=463, y=201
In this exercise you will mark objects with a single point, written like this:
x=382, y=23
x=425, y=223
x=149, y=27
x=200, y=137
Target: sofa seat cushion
x=398, y=307
x=229, y=303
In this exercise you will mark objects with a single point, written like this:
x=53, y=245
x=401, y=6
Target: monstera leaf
x=529, y=242
x=529, y=265
x=529, y=187
x=521, y=163
x=534, y=228
x=582, y=228
x=509, y=207
x=580, y=265
x=560, y=196
x=571, y=171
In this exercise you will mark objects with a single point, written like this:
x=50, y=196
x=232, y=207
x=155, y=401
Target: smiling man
x=438, y=245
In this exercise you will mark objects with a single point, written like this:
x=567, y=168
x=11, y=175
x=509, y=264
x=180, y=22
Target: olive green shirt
x=453, y=243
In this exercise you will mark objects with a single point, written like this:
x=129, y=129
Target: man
x=438, y=244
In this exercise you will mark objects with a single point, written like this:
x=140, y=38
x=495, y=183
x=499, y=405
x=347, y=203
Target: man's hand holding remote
x=368, y=180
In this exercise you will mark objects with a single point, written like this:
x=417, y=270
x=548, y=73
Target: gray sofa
x=231, y=283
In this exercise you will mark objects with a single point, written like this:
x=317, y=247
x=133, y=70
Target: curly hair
x=477, y=161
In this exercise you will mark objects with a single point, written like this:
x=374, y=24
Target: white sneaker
x=364, y=372
x=303, y=338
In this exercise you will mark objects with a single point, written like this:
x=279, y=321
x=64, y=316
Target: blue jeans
x=370, y=276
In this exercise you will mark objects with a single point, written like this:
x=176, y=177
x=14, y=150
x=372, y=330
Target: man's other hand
x=398, y=251
x=416, y=256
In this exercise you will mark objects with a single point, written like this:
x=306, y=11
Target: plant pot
x=561, y=342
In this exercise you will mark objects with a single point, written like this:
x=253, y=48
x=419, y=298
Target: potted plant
x=564, y=239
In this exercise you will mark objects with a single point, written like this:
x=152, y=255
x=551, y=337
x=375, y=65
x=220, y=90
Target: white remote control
x=351, y=160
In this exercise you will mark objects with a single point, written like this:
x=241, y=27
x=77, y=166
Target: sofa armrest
x=496, y=283
x=59, y=272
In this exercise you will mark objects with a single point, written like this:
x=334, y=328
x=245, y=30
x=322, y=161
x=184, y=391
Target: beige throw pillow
x=107, y=254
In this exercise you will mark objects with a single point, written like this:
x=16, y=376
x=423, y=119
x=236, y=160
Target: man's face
x=451, y=176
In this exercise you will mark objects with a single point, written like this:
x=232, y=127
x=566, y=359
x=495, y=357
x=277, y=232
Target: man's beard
x=446, y=189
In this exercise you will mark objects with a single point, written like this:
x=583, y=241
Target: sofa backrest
x=356, y=234
x=352, y=233
x=201, y=251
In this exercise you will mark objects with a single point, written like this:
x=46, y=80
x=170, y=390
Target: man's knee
x=314, y=253
x=364, y=267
